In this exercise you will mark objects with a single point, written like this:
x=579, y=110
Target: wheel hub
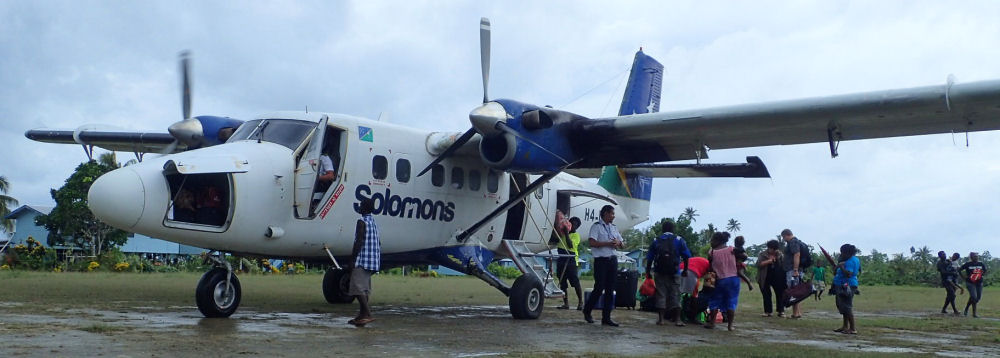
x=223, y=295
x=534, y=297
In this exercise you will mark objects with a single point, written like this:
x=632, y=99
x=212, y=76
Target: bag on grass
x=797, y=293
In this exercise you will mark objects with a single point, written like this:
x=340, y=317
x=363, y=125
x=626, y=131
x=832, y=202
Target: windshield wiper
x=260, y=130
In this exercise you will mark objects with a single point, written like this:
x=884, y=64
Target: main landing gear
x=336, y=283
x=527, y=297
x=218, y=293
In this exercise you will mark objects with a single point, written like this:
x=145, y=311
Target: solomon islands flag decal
x=366, y=134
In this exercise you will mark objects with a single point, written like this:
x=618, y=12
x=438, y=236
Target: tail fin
x=642, y=95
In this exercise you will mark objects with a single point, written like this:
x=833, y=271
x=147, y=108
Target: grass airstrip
x=136, y=314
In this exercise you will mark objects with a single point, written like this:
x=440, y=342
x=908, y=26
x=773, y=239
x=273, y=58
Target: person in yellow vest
x=569, y=244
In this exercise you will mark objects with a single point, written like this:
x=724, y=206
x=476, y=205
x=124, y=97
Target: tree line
x=916, y=268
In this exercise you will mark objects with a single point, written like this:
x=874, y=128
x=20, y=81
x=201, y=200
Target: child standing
x=741, y=259
x=819, y=280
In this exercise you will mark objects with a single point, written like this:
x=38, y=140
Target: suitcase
x=626, y=286
x=599, y=305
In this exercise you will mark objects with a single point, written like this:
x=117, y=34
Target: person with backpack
x=665, y=254
x=796, y=259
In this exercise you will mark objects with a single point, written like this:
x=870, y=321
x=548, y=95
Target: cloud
x=68, y=63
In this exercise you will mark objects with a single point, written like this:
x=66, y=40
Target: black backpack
x=805, y=257
x=666, y=259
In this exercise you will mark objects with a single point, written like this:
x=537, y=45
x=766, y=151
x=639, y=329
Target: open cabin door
x=307, y=171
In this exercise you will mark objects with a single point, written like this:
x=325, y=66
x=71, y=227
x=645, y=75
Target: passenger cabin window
x=475, y=180
x=437, y=175
x=492, y=181
x=380, y=167
x=457, y=177
x=402, y=170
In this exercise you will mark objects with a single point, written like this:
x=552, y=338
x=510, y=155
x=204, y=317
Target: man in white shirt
x=603, y=239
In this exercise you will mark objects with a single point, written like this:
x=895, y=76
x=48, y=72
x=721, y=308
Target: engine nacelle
x=536, y=140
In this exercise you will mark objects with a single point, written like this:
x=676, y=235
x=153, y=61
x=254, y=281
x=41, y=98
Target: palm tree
x=6, y=202
x=109, y=160
x=690, y=213
x=733, y=226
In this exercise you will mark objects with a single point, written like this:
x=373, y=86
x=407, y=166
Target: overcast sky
x=66, y=63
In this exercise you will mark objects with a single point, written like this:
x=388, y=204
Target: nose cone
x=485, y=117
x=188, y=131
x=118, y=198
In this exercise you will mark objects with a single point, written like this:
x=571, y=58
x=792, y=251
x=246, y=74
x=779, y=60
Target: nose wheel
x=336, y=285
x=218, y=293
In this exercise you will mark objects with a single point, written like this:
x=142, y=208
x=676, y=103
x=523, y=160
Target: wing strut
x=89, y=149
x=464, y=235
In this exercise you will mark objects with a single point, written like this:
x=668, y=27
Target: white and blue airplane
x=492, y=191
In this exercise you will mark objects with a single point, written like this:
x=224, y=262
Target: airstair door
x=307, y=170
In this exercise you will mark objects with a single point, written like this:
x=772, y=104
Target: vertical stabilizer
x=642, y=95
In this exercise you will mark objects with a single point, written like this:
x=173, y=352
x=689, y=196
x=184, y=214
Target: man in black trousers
x=604, y=238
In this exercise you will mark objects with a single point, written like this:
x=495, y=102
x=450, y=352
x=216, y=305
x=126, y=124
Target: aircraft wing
x=123, y=141
x=680, y=135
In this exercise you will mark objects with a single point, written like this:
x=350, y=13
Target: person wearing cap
x=973, y=272
x=790, y=263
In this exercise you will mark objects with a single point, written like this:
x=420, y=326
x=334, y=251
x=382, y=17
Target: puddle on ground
x=458, y=331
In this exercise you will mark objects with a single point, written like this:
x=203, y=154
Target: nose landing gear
x=336, y=285
x=218, y=293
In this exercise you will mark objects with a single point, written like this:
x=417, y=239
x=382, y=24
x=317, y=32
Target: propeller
x=185, y=84
x=451, y=149
x=484, y=54
x=484, y=117
x=188, y=130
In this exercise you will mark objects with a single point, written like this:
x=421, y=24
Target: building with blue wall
x=24, y=227
x=24, y=224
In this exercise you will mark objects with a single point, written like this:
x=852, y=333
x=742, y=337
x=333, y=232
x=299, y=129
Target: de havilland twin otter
x=462, y=200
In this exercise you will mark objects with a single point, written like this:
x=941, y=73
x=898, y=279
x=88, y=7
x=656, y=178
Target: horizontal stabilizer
x=753, y=168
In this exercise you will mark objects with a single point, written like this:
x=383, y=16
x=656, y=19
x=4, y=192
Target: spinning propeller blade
x=484, y=54
x=185, y=85
x=451, y=149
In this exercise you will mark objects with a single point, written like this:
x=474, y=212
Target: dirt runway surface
x=458, y=331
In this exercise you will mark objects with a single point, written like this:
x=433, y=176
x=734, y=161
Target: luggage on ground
x=626, y=285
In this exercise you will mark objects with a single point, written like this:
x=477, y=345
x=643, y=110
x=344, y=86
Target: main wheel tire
x=213, y=297
x=527, y=297
x=336, y=284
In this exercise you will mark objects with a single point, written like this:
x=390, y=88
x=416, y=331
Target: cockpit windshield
x=287, y=132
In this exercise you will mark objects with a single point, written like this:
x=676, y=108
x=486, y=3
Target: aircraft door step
x=528, y=263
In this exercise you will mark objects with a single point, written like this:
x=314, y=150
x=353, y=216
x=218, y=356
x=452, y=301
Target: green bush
x=503, y=272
